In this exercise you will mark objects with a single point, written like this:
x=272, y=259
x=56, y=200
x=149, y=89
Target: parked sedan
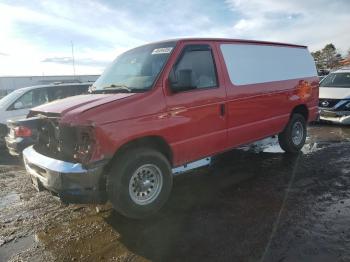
x=334, y=102
x=20, y=133
x=17, y=104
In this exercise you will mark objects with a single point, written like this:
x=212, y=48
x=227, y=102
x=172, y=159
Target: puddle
x=271, y=145
x=15, y=246
x=340, y=208
x=312, y=147
x=330, y=133
x=8, y=199
x=273, y=148
x=268, y=145
x=89, y=238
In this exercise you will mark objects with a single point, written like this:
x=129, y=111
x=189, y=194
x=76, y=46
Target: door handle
x=222, y=109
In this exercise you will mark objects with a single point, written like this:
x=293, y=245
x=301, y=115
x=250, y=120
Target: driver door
x=198, y=113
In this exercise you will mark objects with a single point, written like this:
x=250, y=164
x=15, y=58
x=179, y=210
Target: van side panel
x=191, y=123
x=264, y=83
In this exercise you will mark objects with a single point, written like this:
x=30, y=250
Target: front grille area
x=328, y=103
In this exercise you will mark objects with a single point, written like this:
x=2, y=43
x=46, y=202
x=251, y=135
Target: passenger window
x=78, y=90
x=40, y=97
x=59, y=92
x=196, y=69
x=31, y=99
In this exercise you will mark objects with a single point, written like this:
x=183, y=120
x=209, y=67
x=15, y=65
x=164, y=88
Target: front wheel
x=139, y=183
x=293, y=137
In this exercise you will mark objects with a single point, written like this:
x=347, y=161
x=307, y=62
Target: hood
x=334, y=93
x=84, y=102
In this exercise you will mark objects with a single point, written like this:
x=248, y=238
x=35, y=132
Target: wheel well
x=154, y=142
x=302, y=110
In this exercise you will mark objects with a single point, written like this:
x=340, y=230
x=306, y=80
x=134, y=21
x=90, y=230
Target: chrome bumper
x=70, y=181
x=340, y=117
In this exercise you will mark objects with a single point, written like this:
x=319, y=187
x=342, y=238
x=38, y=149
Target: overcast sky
x=36, y=35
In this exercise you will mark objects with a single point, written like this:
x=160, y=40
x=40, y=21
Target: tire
x=151, y=177
x=293, y=137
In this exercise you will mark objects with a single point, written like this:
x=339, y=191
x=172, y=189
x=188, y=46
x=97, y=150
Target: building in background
x=10, y=83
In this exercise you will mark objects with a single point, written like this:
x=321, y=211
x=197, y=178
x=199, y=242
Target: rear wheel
x=293, y=137
x=139, y=183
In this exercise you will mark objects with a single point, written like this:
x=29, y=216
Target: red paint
x=190, y=122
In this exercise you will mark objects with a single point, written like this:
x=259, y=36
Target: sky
x=36, y=36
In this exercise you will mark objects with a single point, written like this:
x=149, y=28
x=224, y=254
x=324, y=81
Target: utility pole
x=73, y=62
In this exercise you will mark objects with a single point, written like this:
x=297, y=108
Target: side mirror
x=181, y=80
x=18, y=105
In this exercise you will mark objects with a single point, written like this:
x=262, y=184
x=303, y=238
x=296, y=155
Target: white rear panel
x=252, y=63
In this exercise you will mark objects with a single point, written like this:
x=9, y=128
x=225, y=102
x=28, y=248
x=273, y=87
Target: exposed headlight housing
x=85, y=144
x=347, y=106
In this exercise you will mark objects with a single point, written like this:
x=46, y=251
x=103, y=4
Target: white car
x=334, y=97
x=17, y=104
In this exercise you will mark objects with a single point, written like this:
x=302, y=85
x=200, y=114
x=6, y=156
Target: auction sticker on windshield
x=164, y=50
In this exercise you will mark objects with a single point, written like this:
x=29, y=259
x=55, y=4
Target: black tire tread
x=117, y=182
x=284, y=138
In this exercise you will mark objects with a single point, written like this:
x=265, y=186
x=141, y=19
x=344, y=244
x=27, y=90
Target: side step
x=191, y=165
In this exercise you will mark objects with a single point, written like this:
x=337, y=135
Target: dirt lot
x=253, y=204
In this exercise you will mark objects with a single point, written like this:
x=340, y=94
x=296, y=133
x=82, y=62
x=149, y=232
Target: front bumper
x=72, y=182
x=340, y=117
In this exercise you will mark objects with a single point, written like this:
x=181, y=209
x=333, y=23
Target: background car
x=17, y=104
x=22, y=133
x=334, y=102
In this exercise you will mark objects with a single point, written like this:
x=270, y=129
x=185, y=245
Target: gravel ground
x=251, y=204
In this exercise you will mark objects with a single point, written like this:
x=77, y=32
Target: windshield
x=135, y=70
x=10, y=97
x=336, y=80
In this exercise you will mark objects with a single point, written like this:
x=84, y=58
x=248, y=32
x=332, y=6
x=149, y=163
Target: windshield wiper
x=117, y=87
x=110, y=89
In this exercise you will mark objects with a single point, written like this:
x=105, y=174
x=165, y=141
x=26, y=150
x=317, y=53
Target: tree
x=327, y=58
x=318, y=59
x=330, y=56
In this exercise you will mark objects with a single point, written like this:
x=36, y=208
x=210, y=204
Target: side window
x=31, y=99
x=40, y=96
x=78, y=90
x=59, y=92
x=25, y=101
x=196, y=66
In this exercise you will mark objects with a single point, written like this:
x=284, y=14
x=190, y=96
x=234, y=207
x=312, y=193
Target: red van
x=163, y=107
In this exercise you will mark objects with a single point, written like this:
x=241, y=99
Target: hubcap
x=297, y=133
x=145, y=184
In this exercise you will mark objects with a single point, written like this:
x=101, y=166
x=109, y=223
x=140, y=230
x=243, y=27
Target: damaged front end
x=65, y=142
x=60, y=161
